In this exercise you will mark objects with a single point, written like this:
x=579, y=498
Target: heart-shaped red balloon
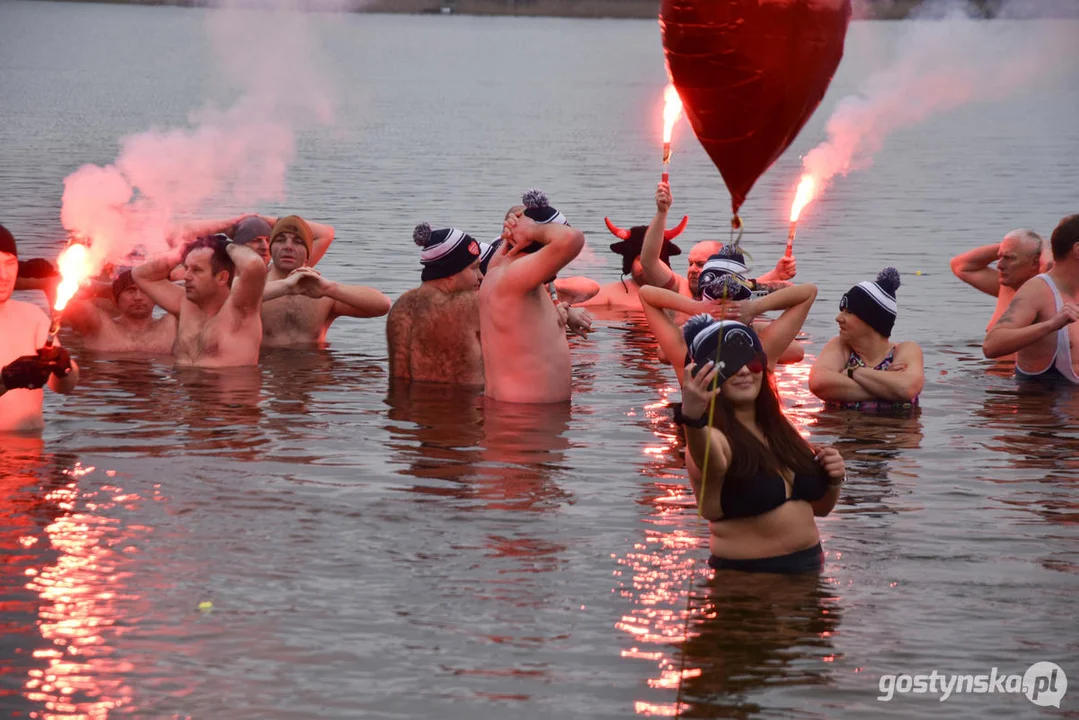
x=750, y=73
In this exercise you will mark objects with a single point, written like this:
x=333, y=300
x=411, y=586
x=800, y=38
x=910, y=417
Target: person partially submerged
x=218, y=309
x=862, y=367
x=1039, y=325
x=298, y=303
x=762, y=484
x=525, y=351
x=27, y=364
x=132, y=328
x=433, y=331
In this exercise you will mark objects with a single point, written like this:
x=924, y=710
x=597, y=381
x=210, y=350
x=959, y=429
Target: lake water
x=298, y=541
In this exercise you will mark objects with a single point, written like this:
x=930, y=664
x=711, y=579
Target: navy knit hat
x=7, y=242
x=446, y=252
x=538, y=208
x=874, y=302
x=723, y=276
x=731, y=345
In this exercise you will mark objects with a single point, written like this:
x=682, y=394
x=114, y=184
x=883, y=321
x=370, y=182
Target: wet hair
x=1064, y=237
x=220, y=260
x=750, y=457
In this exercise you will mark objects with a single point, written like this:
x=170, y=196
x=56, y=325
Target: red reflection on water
x=677, y=611
x=78, y=610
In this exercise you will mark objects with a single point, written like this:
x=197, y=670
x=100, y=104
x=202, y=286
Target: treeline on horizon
x=864, y=9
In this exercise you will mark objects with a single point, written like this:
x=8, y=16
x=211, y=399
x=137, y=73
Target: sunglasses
x=756, y=365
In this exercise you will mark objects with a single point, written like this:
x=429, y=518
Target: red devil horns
x=677, y=229
x=615, y=230
x=671, y=234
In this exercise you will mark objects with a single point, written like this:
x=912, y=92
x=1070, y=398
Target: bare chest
x=157, y=338
x=300, y=318
x=198, y=338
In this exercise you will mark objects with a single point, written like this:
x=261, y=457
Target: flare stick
x=790, y=238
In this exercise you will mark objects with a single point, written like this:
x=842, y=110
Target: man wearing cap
x=132, y=328
x=525, y=351
x=26, y=365
x=656, y=269
x=433, y=331
x=298, y=304
x=218, y=309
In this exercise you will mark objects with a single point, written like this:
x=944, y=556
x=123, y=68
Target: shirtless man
x=298, y=304
x=656, y=271
x=1021, y=255
x=132, y=329
x=26, y=364
x=525, y=351
x=433, y=331
x=218, y=308
x=253, y=231
x=624, y=294
x=1039, y=324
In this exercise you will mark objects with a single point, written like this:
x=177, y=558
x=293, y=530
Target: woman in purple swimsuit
x=862, y=367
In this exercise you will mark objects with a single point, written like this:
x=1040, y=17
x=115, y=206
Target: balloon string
x=700, y=514
x=737, y=224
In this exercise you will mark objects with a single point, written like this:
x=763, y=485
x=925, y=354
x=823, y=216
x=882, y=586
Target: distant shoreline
x=621, y=9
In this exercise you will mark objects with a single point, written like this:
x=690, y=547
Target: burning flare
x=807, y=189
x=672, y=110
x=75, y=268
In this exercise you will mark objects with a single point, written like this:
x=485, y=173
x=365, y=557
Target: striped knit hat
x=446, y=252
x=874, y=302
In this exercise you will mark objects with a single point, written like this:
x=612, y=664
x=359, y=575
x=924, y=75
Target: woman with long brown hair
x=761, y=483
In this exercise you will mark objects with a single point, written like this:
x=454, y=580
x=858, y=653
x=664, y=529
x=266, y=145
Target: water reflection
x=435, y=433
x=755, y=631
x=65, y=557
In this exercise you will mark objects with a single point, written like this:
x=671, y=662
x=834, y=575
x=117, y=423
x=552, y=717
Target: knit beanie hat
x=731, y=345
x=723, y=276
x=446, y=252
x=874, y=302
x=297, y=226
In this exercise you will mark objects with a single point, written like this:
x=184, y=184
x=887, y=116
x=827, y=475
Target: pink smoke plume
x=226, y=160
x=941, y=64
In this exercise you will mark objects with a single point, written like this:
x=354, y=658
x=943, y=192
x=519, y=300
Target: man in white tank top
x=1039, y=325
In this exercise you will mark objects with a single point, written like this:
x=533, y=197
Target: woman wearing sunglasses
x=762, y=483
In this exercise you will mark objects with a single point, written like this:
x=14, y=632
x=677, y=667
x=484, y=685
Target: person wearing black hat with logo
x=433, y=331
x=862, y=368
x=761, y=483
x=26, y=364
x=218, y=308
x=525, y=351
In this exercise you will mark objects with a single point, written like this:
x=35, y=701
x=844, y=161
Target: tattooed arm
x=1019, y=326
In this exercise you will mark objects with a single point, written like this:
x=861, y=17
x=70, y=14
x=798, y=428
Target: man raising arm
x=219, y=306
x=525, y=351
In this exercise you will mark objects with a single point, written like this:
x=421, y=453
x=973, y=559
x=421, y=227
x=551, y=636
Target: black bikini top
x=764, y=493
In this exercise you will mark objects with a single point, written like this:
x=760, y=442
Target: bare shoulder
x=908, y=350
x=834, y=354
x=29, y=314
